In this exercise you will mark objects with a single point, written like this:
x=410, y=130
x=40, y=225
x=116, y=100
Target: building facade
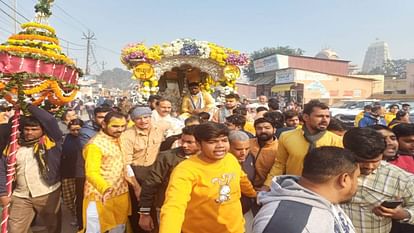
x=300, y=79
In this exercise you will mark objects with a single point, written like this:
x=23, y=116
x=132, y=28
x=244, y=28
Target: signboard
x=285, y=76
x=269, y=63
x=302, y=75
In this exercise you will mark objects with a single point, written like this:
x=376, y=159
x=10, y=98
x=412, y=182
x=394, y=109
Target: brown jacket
x=265, y=157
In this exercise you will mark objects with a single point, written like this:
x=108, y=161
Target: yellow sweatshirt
x=204, y=197
x=292, y=150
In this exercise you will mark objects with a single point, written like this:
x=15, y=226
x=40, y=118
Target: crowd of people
x=231, y=168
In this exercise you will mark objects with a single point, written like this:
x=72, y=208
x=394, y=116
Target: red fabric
x=405, y=162
x=11, y=64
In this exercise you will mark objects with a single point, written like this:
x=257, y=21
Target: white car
x=350, y=107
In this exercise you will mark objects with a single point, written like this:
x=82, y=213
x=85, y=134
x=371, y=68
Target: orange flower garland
x=2, y=86
x=9, y=99
x=39, y=100
x=58, y=93
x=33, y=37
x=53, y=100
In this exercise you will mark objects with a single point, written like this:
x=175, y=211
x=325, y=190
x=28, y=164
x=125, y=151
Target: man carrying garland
x=37, y=178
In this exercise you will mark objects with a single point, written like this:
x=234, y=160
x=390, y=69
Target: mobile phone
x=392, y=204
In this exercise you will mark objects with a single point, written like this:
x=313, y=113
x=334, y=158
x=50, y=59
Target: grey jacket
x=291, y=208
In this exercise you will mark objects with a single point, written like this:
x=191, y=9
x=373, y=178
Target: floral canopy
x=150, y=63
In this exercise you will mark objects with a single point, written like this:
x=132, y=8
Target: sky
x=347, y=27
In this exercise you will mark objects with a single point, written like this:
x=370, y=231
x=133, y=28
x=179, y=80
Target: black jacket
x=53, y=158
x=71, y=152
x=153, y=189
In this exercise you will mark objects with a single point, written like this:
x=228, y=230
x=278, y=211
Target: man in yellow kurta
x=197, y=101
x=106, y=201
x=203, y=195
x=294, y=145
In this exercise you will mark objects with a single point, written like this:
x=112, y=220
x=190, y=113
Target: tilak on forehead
x=117, y=122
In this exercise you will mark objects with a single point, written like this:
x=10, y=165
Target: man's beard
x=264, y=137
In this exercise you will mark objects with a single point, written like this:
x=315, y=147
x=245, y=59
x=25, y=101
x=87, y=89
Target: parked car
x=350, y=107
x=346, y=110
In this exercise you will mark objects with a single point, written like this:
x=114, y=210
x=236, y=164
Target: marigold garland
x=33, y=44
x=47, y=54
x=53, y=100
x=31, y=31
x=37, y=89
x=39, y=100
x=58, y=93
x=9, y=99
x=38, y=25
x=34, y=37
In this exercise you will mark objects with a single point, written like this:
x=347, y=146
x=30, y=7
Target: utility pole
x=88, y=38
x=103, y=65
x=14, y=16
x=67, y=48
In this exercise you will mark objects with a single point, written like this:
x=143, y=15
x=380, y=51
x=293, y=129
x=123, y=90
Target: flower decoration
x=38, y=25
x=139, y=52
x=218, y=54
x=35, y=67
x=189, y=50
x=237, y=58
x=227, y=59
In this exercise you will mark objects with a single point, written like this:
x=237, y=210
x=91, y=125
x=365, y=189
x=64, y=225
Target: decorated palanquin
x=181, y=62
x=34, y=68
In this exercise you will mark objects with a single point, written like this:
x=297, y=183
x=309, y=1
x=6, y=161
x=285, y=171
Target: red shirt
x=405, y=162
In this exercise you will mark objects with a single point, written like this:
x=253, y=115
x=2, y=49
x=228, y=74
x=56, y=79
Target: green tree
x=393, y=67
x=267, y=51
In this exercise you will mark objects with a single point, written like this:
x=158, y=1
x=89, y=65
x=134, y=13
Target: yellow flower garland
x=34, y=37
x=38, y=25
x=23, y=42
x=37, y=89
x=20, y=49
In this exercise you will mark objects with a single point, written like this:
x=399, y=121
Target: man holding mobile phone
x=379, y=182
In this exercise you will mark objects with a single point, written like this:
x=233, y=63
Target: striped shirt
x=387, y=182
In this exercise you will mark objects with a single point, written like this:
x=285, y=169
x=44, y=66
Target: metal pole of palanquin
x=11, y=162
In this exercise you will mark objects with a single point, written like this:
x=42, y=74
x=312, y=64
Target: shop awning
x=281, y=87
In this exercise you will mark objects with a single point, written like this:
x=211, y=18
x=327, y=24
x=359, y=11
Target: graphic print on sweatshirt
x=224, y=187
